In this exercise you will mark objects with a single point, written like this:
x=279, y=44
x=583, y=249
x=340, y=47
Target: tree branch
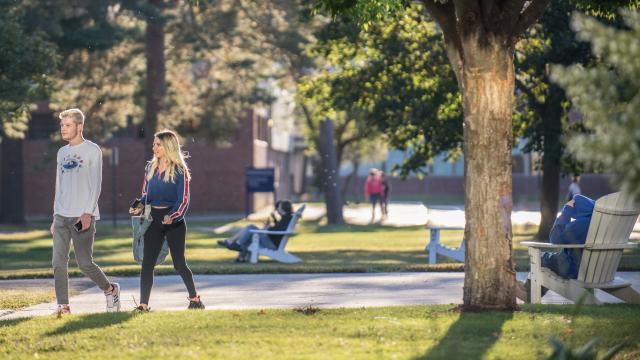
x=445, y=16
x=529, y=16
x=308, y=117
x=529, y=93
x=487, y=6
x=511, y=13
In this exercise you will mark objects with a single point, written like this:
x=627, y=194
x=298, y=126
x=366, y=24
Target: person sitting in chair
x=566, y=262
x=278, y=221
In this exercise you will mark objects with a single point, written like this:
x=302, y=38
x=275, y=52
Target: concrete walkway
x=265, y=291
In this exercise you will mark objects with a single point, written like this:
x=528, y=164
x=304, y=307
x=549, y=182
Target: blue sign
x=260, y=179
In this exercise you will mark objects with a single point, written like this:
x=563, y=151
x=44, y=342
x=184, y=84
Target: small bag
x=140, y=224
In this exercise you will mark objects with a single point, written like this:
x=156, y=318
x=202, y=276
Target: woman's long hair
x=174, y=155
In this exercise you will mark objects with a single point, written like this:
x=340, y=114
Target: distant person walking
x=386, y=189
x=166, y=189
x=574, y=188
x=373, y=191
x=75, y=211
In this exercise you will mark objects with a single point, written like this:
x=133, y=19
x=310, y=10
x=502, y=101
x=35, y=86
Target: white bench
x=434, y=247
x=611, y=225
x=281, y=253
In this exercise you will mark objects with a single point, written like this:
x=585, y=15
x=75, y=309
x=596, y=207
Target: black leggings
x=153, y=239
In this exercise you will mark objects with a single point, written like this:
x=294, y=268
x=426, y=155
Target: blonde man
x=75, y=211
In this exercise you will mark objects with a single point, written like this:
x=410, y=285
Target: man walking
x=75, y=211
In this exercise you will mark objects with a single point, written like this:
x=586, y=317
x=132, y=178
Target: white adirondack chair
x=280, y=254
x=611, y=224
x=434, y=247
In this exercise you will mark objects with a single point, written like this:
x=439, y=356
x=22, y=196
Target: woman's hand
x=135, y=211
x=166, y=220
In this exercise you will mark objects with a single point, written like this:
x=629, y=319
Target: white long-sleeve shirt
x=78, y=180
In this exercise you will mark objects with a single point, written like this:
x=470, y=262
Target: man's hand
x=571, y=203
x=51, y=228
x=85, y=219
x=135, y=211
x=166, y=220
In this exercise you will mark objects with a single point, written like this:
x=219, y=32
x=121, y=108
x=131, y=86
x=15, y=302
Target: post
x=433, y=245
x=534, y=275
x=247, y=192
x=115, y=159
x=12, y=204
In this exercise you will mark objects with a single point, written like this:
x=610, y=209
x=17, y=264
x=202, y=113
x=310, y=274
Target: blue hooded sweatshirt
x=565, y=231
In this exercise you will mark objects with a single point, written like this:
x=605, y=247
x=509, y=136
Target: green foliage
x=363, y=11
x=608, y=94
x=395, y=76
x=26, y=65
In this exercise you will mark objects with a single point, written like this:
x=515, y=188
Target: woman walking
x=373, y=191
x=166, y=189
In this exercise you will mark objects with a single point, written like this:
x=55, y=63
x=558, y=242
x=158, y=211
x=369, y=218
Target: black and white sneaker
x=196, y=303
x=113, y=298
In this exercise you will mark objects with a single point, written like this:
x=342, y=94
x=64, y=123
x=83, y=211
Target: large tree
x=480, y=39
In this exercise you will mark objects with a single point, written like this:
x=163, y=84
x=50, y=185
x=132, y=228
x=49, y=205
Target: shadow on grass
x=470, y=337
x=12, y=322
x=93, y=321
x=608, y=311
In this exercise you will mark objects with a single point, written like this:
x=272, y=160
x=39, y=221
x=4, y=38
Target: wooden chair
x=434, y=247
x=611, y=225
x=280, y=254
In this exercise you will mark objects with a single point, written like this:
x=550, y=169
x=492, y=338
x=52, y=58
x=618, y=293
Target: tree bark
x=155, y=81
x=488, y=83
x=330, y=178
x=12, y=208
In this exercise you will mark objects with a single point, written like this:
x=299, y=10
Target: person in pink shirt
x=373, y=191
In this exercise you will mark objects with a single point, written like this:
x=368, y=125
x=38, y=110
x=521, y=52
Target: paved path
x=234, y=292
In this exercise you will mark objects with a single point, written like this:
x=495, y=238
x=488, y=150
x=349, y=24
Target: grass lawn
x=12, y=299
x=26, y=253
x=415, y=332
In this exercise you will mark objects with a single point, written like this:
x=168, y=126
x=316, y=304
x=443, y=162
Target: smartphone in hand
x=136, y=204
x=78, y=226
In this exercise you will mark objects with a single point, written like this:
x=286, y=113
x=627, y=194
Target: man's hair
x=75, y=114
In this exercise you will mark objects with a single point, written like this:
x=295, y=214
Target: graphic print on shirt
x=71, y=162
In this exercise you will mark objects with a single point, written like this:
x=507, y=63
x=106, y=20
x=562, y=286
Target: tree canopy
x=26, y=66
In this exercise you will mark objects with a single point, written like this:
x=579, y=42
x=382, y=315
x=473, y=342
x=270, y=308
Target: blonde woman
x=166, y=189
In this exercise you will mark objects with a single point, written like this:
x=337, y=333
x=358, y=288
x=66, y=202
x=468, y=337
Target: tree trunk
x=487, y=84
x=330, y=178
x=549, y=196
x=12, y=208
x=351, y=183
x=552, y=154
x=155, y=82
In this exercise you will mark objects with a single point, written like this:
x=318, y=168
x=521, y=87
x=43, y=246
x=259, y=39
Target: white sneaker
x=113, y=299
